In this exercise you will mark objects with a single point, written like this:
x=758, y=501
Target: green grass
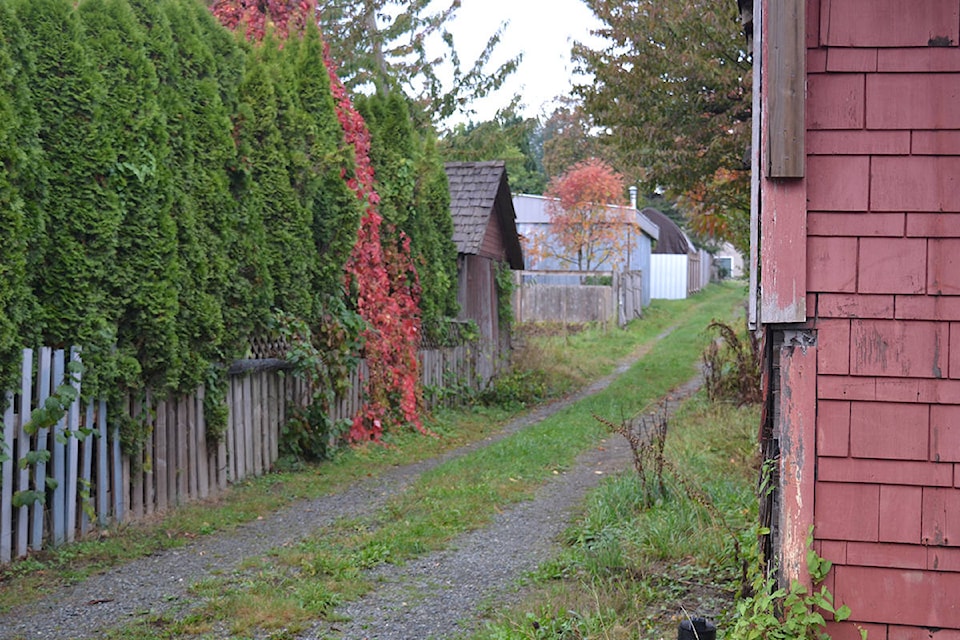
x=634, y=572
x=286, y=589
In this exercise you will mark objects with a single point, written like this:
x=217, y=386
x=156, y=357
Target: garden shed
x=485, y=232
x=856, y=287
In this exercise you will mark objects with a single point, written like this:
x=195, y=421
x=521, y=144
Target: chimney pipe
x=633, y=196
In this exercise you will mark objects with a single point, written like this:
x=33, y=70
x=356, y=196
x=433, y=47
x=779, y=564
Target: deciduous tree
x=672, y=91
x=569, y=137
x=509, y=137
x=587, y=232
x=388, y=44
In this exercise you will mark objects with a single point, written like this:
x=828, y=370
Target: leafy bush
x=518, y=388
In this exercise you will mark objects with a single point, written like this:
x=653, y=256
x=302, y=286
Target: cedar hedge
x=168, y=188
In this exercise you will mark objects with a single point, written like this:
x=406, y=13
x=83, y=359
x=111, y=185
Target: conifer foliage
x=167, y=188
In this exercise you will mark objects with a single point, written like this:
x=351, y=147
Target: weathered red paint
x=838, y=183
x=892, y=265
x=847, y=511
x=900, y=596
x=798, y=380
x=860, y=142
x=933, y=225
x=943, y=269
x=868, y=243
x=927, y=308
x=835, y=102
x=902, y=348
x=935, y=143
x=833, y=428
x=889, y=430
x=837, y=359
x=898, y=556
x=925, y=60
x=915, y=633
x=913, y=101
x=851, y=60
x=830, y=264
x=840, y=305
x=940, y=526
x=885, y=472
x=844, y=23
x=954, y=350
x=945, y=433
x=915, y=183
x=900, y=509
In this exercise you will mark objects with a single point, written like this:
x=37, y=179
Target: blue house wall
x=532, y=219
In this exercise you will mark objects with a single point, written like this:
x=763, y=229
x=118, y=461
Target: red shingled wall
x=882, y=275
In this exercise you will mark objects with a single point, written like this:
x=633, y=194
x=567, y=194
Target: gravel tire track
x=444, y=595
x=159, y=583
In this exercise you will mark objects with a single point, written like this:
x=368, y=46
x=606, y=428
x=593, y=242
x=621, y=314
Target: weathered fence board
x=562, y=296
x=6, y=478
x=94, y=483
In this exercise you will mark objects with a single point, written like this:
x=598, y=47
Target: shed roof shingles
x=473, y=192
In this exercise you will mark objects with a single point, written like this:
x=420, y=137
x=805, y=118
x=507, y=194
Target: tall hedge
x=319, y=161
x=415, y=199
x=166, y=188
x=19, y=159
x=142, y=300
x=81, y=218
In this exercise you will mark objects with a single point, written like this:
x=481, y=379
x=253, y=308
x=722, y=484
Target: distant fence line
x=562, y=296
x=87, y=482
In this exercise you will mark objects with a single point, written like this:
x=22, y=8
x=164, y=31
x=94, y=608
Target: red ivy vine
x=380, y=270
x=259, y=16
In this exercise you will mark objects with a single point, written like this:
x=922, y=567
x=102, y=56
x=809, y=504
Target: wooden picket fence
x=87, y=482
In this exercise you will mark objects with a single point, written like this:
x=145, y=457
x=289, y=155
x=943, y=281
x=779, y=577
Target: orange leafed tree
x=586, y=231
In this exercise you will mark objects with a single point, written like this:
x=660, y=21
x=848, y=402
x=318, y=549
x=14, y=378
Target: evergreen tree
x=270, y=194
x=142, y=294
x=82, y=218
x=414, y=198
x=319, y=162
x=19, y=159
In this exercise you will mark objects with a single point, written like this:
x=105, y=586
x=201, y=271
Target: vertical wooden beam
x=138, y=465
x=183, y=473
x=782, y=203
x=40, y=468
x=786, y=82
x=203, y=458
x=161, y=453
x=87, y=469
x=193, y=447
x=149, y=458
x=23, y=446
x=73, y=451
x=798, y=380
x=6, y=483
x=103, y=473
x=58, y=458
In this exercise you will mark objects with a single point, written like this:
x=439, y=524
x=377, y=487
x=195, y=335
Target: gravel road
x=436, y=596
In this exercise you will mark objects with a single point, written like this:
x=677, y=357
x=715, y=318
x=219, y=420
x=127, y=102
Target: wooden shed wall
x=881, y=289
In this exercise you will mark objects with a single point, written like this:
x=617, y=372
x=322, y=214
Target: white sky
x=544, y=30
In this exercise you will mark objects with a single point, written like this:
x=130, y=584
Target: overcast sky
x=544, y=30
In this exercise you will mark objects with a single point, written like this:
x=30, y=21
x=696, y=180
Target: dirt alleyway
x=159, y=584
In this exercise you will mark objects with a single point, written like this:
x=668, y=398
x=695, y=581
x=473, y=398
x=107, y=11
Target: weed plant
x=642, y=558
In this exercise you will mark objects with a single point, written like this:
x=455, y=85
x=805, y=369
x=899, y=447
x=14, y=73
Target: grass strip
x=635, y=571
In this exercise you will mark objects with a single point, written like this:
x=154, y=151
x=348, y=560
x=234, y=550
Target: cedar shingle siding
x=879, y=210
